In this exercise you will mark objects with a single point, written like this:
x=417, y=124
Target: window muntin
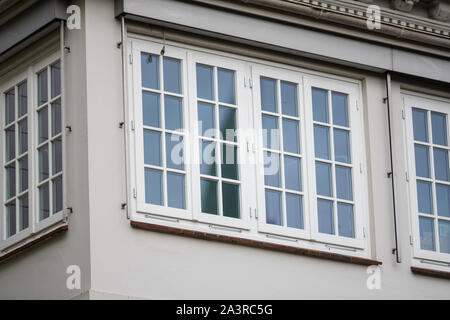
x=428, y=144
x=32, y=119
x=218, y=143
x=280, y=121
x=49, y=142
x=162, y=113
x=16, y=159
x=207, y=101
x=333, y=163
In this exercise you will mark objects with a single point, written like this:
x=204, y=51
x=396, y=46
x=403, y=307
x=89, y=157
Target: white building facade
x=259, y=149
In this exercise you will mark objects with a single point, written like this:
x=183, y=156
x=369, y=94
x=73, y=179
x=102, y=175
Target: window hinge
x=256, y=213
x=411, y=241
x=357, y=105
x=134, y=193
x=250, y=212
x=364, y=232
x=403, y=114
x=360, y=168
x=131, y=58
x=245, y=82
x=250, y=83
x=407, y=176
x=132, y=125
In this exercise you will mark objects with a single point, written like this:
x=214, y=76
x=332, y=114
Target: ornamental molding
x=389, y=16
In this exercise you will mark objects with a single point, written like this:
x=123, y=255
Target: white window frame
x=36, y=227
x=428, y=103
x=250, y=225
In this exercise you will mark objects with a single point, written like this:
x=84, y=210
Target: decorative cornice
x=388, y=16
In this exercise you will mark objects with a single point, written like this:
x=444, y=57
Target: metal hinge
x=256, y=214
x=411, y=240
x=132, y=125
x=407, y=176
x=357, y=105
x=403, y=114
x=250, y=83
x=134, y=193
x=364, y=232
x=131, y=58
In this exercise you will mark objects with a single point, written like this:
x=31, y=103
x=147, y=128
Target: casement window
x=269, y=152
x=429, y=183
x=32, y=157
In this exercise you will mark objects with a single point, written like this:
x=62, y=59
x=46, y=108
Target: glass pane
x=209, y=196
x=172, y=75
x=344, y=183
x=150, y=109
x=56, y=79
x=322, y=142
x=43, y=125
x=173, y=113
x=292, y=173
x=420, y=125
x=439, y=128
x=174, y=151
x=346, y=224
x=44, y=202
x=57, y=195
x=271, y=139
x=153, y=187
x=323, y=179
x=176, y=190
x=426, y=226
x=11, y=219
x=42, y=87
x=208, y=158
x=291, y=139
x=229, y=162
x=150, y=71
x=340, y=109
x=43, y=163
x=205, y=82
x=23, y=99
x=24, y=220
x=152, y=147
x=424, y=197
x=227, y=119
x=325, y=216
x=273, y=207
x=320, y=105
x=23, y=174
x=56, y=156
x=56, y=117
x=441, y=170
x=422, y=161
x=444, y=236
x=226, y=86
x=272, y=169
x=206, y=120
x=10, y=181
x=269, y=95
x=10, y=113
x=289, y=99
x=443, y=200
x=10, y=143
x=294, y=211
x=230, y=200
x=342, y=146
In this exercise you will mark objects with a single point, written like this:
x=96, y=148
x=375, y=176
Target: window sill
x=431, y=273
x=254, y=243
x=40, y=238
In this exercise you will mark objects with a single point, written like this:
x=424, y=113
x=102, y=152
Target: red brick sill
x=34, y=242
x=255, y=244
x=431, y=273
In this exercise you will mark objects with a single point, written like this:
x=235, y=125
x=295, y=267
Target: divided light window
x=32, y=156
x=428, y=144
x=262, y=151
